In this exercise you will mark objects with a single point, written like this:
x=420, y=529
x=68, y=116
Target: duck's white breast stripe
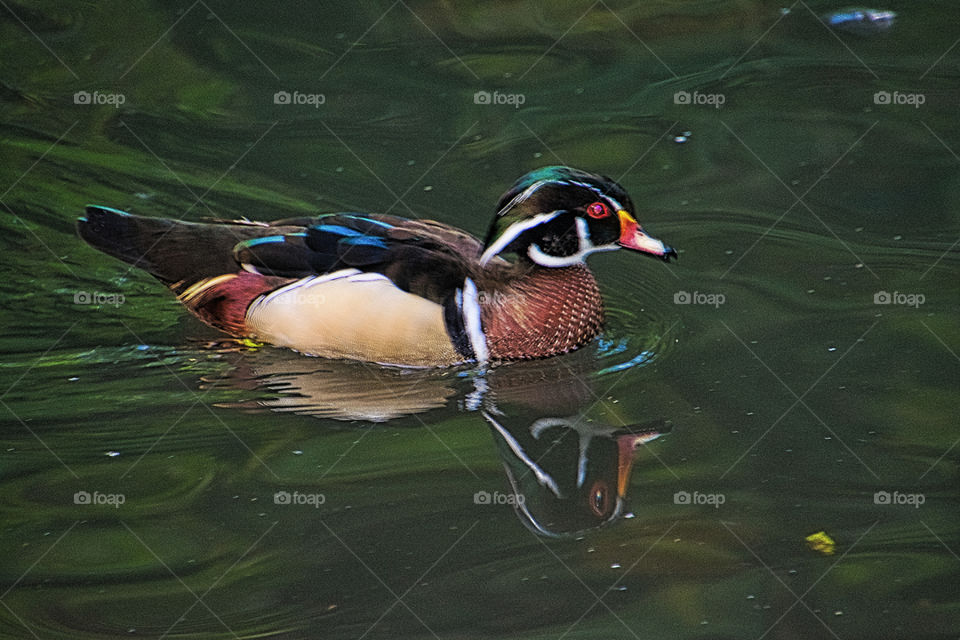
x=471, y=320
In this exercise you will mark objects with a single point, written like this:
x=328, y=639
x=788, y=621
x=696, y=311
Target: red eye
x=598, y=210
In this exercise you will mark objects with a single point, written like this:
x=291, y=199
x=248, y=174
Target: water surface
x=265, y=494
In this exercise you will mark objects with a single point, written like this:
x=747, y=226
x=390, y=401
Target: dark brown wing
x=423, y=257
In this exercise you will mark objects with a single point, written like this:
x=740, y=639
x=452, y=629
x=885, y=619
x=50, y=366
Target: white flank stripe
x=471, y=321
x=368, y=276
x=303, y=282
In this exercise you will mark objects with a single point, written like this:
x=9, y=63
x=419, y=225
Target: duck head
x=556, y=216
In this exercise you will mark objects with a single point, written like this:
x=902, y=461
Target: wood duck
x=381, y=288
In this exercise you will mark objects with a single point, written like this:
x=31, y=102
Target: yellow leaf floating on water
x=250, y=344
x=821, y=542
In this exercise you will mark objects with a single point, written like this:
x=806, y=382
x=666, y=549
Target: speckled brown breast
x=543, y=313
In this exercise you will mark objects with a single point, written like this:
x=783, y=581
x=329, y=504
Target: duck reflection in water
x=567, y=472
x=568, y=475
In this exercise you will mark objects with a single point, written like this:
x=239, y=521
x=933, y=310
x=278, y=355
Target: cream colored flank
x=350, y=314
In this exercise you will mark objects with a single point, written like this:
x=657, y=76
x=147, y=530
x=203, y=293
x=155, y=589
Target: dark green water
x=794, y=402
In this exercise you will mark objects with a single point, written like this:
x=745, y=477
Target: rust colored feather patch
x=222, y=301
